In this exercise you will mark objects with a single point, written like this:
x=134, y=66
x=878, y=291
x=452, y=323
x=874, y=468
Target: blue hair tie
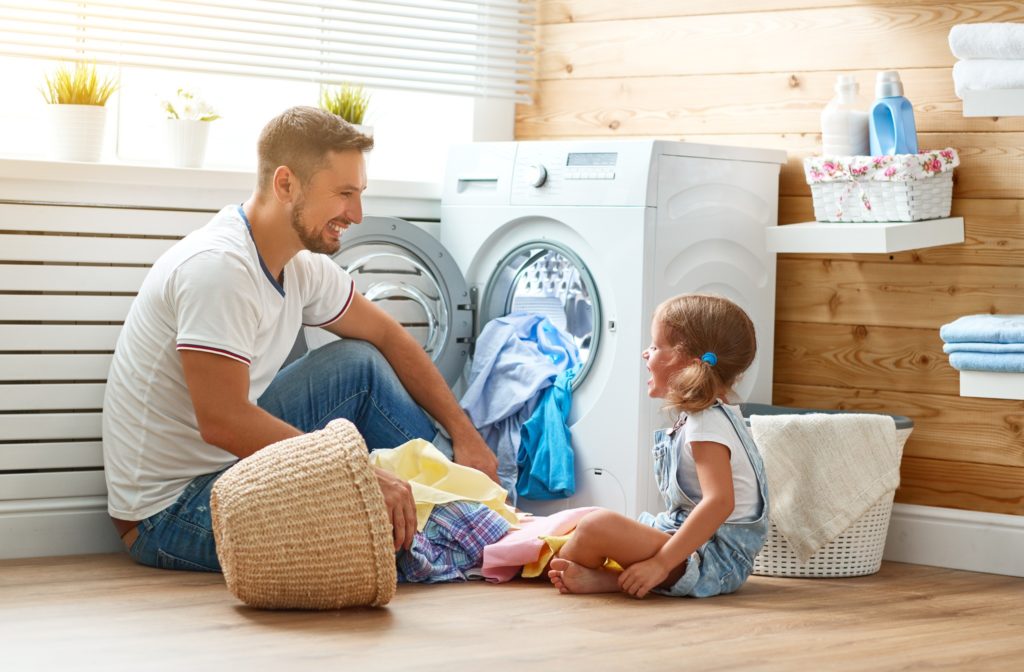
x=709, y=357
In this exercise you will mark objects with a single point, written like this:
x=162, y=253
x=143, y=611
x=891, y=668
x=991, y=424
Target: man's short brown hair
x=300, y=138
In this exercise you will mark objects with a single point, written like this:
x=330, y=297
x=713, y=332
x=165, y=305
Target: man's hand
x=401, y=506
x=473, y=451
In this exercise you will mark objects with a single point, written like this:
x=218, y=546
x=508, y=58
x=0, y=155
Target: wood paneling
x=784, y=102
x=871, y=37
x=892, y=294
x=844, y=355
x=976, y=487
x=852, y=331
x=578, y=11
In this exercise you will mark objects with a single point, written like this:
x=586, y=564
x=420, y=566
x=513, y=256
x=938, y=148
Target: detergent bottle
x=844, y=121
x=891, y=123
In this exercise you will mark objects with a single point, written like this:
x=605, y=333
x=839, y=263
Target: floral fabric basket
x=897, y=188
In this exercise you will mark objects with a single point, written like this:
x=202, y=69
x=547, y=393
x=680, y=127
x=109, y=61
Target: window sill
x=148, y=186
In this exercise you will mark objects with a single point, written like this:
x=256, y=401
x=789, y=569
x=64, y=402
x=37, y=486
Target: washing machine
x=594, y=234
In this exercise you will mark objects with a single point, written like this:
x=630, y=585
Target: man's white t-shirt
x=712, y=425
x=210, y=292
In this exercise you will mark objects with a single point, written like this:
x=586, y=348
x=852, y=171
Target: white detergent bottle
x=844, y=121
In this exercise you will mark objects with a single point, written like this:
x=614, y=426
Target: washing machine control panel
x=558, y=173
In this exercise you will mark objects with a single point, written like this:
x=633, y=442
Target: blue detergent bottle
x=891, y=123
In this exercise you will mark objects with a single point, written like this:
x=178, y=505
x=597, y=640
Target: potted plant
x=349, y=102
x=188, y=128
x=76, y=97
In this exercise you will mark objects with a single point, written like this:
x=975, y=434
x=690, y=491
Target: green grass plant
x=347, y=101
x=79, y=84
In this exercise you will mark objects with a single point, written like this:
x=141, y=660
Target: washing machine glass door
x=405, y=271
x=548, y=278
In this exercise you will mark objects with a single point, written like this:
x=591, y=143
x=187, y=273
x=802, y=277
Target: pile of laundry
x=985, y=343
x=464, y=527
x=519, y=396
x=991, y=56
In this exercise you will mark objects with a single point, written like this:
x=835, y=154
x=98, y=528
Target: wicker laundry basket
x=855, y=552
x=901, y=188
x=302, y=524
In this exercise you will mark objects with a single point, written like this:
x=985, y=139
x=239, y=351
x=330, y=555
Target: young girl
x=706, y=466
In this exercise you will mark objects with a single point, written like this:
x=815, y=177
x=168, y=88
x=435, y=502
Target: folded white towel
x=984, y=74
x=987, y=40
x=825, y=471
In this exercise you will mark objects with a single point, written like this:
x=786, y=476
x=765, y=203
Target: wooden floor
x=103, y=612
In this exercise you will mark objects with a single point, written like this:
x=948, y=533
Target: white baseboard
x=58, y=526
x=971, y=540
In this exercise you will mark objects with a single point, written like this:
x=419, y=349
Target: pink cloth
x=504, y=558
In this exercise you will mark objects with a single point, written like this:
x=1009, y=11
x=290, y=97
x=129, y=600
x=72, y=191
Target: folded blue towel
x=994, y=348
x=984, y=329
x=1012, y=362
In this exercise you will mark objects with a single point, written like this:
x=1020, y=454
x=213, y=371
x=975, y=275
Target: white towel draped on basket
x=825, y=471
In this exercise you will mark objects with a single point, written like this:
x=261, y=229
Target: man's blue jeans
x=343, y=379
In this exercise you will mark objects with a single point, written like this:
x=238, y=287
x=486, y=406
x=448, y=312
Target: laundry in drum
x=518, y=357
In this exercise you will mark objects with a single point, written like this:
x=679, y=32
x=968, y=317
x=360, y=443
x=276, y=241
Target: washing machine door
x=406, y=272
x=546, y=277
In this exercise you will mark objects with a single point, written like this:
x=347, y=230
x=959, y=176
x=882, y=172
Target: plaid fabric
x=451, y=542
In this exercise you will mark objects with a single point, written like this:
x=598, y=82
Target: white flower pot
x=186, y=142
x=76, y=131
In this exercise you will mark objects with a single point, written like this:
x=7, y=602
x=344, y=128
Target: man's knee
x=352, y=356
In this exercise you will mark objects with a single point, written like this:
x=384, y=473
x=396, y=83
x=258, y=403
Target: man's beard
x=309, y=241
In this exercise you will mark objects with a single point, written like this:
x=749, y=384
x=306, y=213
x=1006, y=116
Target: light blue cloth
x=547, y=467
x=983, y=347
x=517, y=356
x=1010, y=362
x=984, y=329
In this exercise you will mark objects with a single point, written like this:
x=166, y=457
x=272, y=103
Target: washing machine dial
x=537, y=175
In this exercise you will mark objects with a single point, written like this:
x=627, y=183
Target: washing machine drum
x=408, y=273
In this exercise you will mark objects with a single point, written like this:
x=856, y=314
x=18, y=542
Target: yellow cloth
x=437, y=480
x=553, y=544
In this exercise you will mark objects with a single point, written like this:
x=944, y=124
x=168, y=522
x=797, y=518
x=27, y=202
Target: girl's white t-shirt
x=712, y=425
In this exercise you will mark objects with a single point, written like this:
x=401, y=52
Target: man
x=195, y=382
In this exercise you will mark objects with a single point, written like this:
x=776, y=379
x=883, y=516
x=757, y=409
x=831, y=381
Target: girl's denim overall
x=723, y=563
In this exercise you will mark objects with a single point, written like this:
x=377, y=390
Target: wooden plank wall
x=852, y=331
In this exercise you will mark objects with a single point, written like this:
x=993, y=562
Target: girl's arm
x=714, y=471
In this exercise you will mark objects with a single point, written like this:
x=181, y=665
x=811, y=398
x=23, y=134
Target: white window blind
x=483, y=48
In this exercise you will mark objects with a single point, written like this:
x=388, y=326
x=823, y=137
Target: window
x=427, y=64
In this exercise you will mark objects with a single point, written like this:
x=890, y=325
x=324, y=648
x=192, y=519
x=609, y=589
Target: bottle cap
x=847, y=84
x=888, y=84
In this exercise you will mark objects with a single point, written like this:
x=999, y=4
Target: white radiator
x=76, y=241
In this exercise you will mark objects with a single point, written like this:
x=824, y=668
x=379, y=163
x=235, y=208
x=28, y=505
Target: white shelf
x=865, y=237
x=992, y=385
x=994, y=103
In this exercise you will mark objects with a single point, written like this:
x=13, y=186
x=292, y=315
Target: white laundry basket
x=896, y=188
x=855, y=552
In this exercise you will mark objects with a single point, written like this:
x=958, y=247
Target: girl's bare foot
x=570, y=577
